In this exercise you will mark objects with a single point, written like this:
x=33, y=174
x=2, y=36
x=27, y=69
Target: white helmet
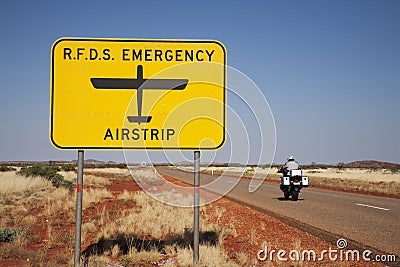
x=290, y=158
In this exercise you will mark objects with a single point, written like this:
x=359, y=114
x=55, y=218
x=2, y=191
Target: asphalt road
x=366, y=222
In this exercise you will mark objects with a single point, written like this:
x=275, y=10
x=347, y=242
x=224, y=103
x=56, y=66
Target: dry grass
x=15, y=251
x=62, y=200
x=141, y=258
x=59, y=200
x=115, y=171
x=70, y=176
x=209, y=256
x=147, y=177
x=11, y=183
x=89, y=227
x=253, y=237
x=115, y=251
x=125, y=196
x=363, y=174
x=88, y=179
x=242, y=258
x=151, y=217
x=355, y=179
x=97, y=261
x=155, y=220
x=94, y=196
x=368, y=175
x=386, y=188
x=18, y=195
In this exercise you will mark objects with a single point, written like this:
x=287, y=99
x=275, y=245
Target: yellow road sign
x=137, y=94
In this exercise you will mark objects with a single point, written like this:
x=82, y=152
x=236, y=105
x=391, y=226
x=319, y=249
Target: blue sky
x=330, y=70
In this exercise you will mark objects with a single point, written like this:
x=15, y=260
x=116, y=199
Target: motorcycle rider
x=291, y=164
x=292, y=185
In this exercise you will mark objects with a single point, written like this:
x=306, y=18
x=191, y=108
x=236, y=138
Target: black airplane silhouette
x=139, y=84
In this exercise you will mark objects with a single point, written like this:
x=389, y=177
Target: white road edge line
x=374, y=207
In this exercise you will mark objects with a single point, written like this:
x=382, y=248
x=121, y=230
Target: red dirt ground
x=253, y=229
x=249, y=230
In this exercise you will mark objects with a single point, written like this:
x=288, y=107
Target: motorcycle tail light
x=296, y=180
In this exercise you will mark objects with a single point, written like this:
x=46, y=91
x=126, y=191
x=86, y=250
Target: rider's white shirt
x=292, y=165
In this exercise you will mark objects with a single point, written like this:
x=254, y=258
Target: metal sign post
x=78, y=225
x=196, y=234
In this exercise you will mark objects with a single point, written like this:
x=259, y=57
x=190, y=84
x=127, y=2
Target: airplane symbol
x=139, y=84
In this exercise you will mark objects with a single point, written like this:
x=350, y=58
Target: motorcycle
x=292, y=182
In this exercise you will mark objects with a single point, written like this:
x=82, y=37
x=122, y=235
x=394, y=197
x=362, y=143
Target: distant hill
x=372, y=164
x=92, y=161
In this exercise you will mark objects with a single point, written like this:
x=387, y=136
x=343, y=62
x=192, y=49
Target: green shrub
x=58, y=181
x=68, y=167
x=105, y=165
x=38, y=170
x=47, y=172
x=121, y=166
x=4, y=168
x=7, y=235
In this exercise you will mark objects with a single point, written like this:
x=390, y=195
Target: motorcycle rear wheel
x=295, y=195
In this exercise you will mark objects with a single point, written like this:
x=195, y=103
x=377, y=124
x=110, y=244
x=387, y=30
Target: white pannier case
x=285, y=180
x=295, y=173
